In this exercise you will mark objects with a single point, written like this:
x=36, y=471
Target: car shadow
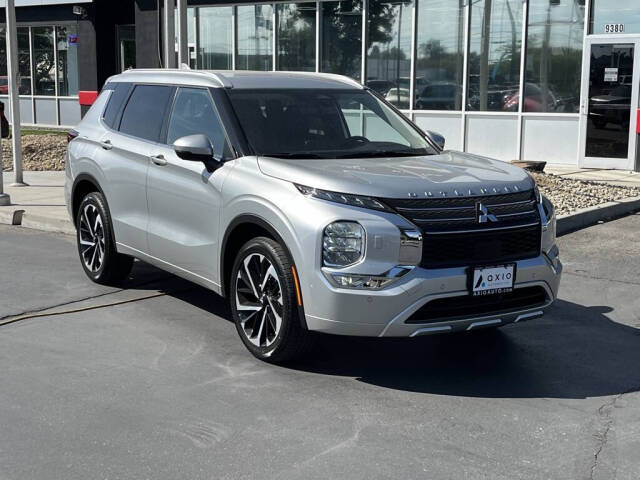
x=574, y=351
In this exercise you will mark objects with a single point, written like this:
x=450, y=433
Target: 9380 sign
x=614, y=28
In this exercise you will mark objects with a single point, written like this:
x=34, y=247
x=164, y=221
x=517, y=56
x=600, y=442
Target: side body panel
x=184, y=213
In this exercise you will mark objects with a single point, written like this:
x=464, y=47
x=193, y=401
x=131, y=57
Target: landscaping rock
x=569, y=195
x=39, y=152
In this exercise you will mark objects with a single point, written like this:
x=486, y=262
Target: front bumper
x=384, y=313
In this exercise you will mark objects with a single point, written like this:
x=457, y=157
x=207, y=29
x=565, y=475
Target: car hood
x=446, y=174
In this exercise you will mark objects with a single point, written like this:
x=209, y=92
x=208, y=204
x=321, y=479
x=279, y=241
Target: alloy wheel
x=259, y=300
x=91, y=237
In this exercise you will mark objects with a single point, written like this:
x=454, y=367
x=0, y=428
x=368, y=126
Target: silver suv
x=310, y=203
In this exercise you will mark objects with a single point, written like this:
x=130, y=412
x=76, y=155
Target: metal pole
x=169, y=34
x=12, y=74
x=183, y=47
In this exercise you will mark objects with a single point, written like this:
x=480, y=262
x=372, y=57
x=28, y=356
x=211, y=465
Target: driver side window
x=193, y=113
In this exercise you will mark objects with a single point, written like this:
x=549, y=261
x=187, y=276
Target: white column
x=183, y=36
x=14, y=99
x=169, y=39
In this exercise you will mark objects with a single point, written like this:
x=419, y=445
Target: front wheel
x=264, y=302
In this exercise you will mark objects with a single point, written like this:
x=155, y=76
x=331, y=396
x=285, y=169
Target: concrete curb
x=20, y=217
x=586, y=217
x=47, y=224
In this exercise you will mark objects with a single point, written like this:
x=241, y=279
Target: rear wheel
x=264, y=302
x=96, y=244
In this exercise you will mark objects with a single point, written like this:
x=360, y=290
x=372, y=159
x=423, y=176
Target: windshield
x=309, y=123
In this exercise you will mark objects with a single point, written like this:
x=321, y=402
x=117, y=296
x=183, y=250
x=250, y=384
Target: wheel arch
x=83, y=185
x=239, y=231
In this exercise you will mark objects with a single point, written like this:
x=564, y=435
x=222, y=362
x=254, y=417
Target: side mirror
x=436, y=138
x=196, y=148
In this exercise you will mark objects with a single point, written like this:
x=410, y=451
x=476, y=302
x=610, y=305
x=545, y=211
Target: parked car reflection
x=613, y=107
x=535, y=99
x=440, y=96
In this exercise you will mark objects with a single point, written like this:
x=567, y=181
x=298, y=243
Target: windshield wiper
x=383, y=153
x=300, y=155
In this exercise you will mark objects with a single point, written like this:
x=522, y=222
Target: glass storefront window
x=24, y=61
x=255, y=37
x=297, y=36
x=342, y=38
x=494, y=55
x=67, y=61
x=440, y=55
x=215, y=34
x=389, y=50
x=554, y=57
x=43, y=61
x=619, y=16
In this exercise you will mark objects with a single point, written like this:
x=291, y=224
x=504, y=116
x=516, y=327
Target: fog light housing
x=342, y=244
x=367, y=282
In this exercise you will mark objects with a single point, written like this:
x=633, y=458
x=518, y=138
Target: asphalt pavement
x=162, y=387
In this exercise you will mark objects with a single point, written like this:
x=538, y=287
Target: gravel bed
x=48, y=151
x=569, y=195
x=39, y=152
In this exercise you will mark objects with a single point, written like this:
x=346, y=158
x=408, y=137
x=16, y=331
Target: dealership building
x=552, y=80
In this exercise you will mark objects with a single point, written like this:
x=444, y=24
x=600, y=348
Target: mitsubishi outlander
x=308, y=201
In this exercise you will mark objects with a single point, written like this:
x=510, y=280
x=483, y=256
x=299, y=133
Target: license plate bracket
x=491, y=280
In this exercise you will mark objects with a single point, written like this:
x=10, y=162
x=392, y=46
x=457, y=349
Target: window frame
x=165, y=130
x=134, y=85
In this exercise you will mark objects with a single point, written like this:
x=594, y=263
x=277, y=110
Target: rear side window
x=143, y=117
x=116, y=100
x=194, y=112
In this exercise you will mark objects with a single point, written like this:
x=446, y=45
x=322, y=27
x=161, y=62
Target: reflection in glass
x=24, y=61
x=255, y=37
x=554, y=58
x=440, y=55
x=494, y=54
x=614, y=13
x=215, y=33
x=4, y=79
x=43, y=60
x=609, y=101
x=67, y=60
x=342, y=38
x=127, y=46
x=389, y=50
x=297, y=36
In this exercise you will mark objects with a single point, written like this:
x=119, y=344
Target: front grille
x=453, y=237
x=452, y=308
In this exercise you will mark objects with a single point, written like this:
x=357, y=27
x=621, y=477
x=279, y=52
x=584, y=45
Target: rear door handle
x=159, y=160
x=106, y=145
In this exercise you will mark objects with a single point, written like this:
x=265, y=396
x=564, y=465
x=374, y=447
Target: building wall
x=453, y=66
x=89, y=62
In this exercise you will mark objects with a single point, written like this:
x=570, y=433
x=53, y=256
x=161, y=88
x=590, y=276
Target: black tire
x=273, y=342
x=112, y=267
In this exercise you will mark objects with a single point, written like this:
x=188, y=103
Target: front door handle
x=159, y=160
x=106, y=145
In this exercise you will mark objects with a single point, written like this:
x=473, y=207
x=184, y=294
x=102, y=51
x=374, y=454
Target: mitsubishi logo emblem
x=483, y=215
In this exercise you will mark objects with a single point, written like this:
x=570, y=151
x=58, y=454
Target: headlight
x=344, y=198
x=342, y=244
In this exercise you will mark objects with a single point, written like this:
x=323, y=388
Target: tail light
x=71, y=134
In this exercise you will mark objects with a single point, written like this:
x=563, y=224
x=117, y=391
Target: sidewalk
x=40, y=205
x=612, y=177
